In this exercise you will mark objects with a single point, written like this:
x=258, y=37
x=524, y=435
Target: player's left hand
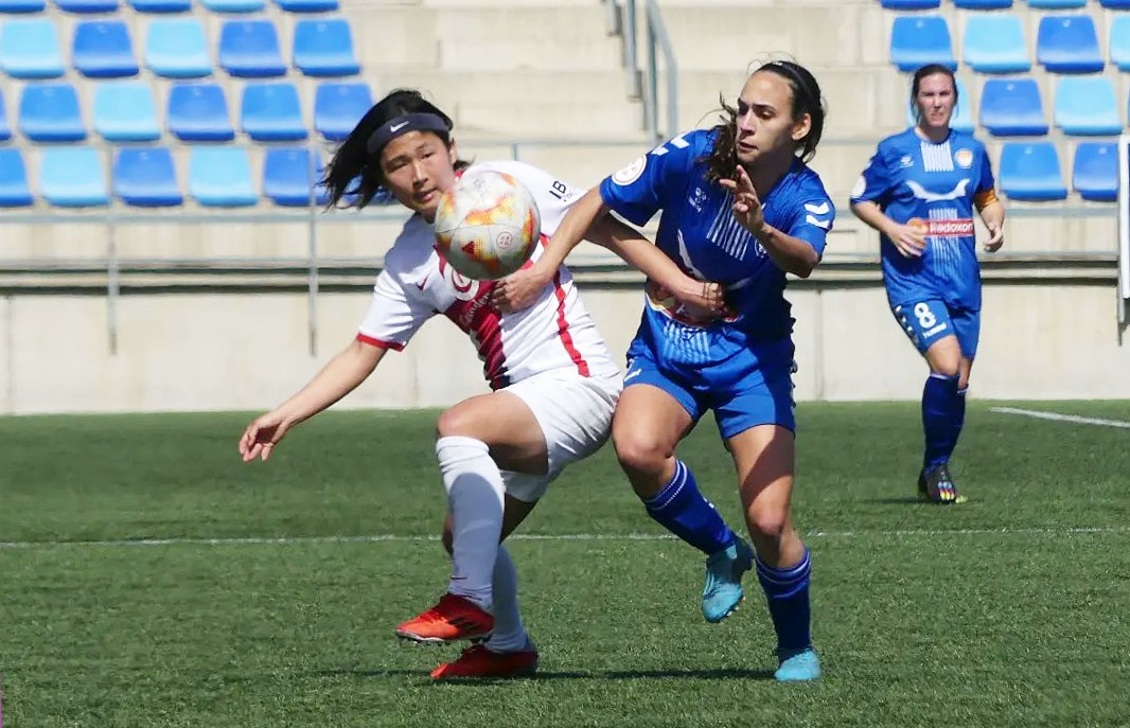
x=747, y=206
x=519, y=290
x=996, y=238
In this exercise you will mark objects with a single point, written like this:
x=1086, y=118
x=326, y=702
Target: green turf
x=999, y=612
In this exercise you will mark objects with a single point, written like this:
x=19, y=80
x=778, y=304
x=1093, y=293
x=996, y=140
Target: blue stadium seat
x=198, y=112
x=1120, y=41
x=288, y=177
x=161, y=6
x=339, y=106
x=175, y=48
x=125, y=112
x=911, y=4
x=49, y=112
x=73, y=177
x=1030, y=171
x=146, y=177
x=918, y=40
x=5, y=125
x=1086, y=105
x=221, y=177
x=14, y=189
x=324, y=47
x=87, y=6
x=1013, y=107
x=234, y=6
x=271, y=112
x=962, y=119
x=102, y=49
x=1115, y=4
x=994, y=43
x=321, y=6
x=982, y=4
x=22, y=6
x=1094, y=174
x=1068, y=44
x=250, y=49
x=1056, y=4
x=29, y=48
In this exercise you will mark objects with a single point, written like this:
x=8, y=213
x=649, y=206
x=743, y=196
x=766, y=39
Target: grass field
x=1009, y=610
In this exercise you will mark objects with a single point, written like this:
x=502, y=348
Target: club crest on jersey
x=964, y=158
x=631, y=173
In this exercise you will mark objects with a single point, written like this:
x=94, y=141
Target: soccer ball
x=487, y=225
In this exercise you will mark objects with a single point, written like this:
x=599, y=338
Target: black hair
x=929, y=70
x=353, y=173
x=807, y=99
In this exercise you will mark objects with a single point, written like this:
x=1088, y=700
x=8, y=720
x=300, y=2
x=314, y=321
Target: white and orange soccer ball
x=487, y=225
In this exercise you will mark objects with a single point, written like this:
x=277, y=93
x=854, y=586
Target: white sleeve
x=397, y=311
x=553, y=196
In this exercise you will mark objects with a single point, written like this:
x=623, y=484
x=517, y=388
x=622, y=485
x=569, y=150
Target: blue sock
x=942, y=412
x=959, y=415
x=786, y=591
x=683, y=511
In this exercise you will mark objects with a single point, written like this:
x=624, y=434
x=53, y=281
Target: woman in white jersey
x=555, y=383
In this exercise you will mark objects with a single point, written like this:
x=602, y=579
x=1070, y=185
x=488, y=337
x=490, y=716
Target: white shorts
x=575, y=414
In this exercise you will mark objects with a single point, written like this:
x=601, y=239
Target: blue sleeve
x=876, y=180
x=813, y=221
x=641, y=189
x=986, y=182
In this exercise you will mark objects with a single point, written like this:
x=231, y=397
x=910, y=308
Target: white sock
x=509, y=634
x=475, y=497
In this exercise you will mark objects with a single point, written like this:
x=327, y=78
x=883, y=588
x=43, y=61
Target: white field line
x=1056, y=417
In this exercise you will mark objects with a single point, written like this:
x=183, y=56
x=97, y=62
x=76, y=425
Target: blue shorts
x=749, y=386
x=928, y=321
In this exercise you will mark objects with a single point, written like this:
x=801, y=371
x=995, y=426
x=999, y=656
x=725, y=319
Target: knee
x=946, y=368
x=637, y=452
x=454, y=422
x=768, y=525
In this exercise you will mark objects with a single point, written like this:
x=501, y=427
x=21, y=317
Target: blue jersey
x=699, y=232
x=931, y=187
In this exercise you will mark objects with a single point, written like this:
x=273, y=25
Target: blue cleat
x=723, y=591
x=798, y=666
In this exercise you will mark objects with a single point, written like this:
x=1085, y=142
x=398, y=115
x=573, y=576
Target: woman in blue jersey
x=740, y=208
x=919, y=192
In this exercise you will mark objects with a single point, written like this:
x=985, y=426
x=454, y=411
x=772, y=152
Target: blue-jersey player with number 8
x=740, y=209
x=919, y=192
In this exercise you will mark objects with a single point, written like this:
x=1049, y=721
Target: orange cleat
x=453, y=618
x=479, y=661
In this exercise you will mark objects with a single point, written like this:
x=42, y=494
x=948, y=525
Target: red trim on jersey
x=379, y=343
x=563, y=328
x=483, y=323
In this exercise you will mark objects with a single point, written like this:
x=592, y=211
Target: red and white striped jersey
x=554, y=333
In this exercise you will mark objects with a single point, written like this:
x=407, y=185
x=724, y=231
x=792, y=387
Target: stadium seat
x=221, y=177
x=1056, y=4
x=324, y=47
x=250, y=49
x=5, y=125
x=73, y=177
x=102, y=49
x=1030, y=171
x=1086, y=105
x=161, y=6
x=1094, y=174
x=339, y=106
x=1115, y=4
x=14, y=189
x=1013, y=107
x=994, y=43
x=918, y=40
x=1120, y=42
x=288, y=177
x=1068, y=44
x=198, y=112
x=49, y=112
x=322, y=6
x=22, y=6
x=175, y=48
x=962, y=119
x=87, y=6
x=982, y=4
x=271, y=112
x=29, y=48
x=911, y=4
x=234, y=6
x=146, y=177
x=124, y=111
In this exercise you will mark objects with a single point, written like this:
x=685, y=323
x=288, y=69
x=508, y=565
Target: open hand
x=747, y=206
x=909, y=240
x=261, y=436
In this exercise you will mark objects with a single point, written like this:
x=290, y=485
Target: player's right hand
x=703, y=299
x=261, y=436
x=910, y=242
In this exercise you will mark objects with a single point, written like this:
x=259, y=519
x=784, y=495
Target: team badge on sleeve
x=860, y=187
x=631, y=173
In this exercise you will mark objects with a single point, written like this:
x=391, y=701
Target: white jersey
x=556, y=333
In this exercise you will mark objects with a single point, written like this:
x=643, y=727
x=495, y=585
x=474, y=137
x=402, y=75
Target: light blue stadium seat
x=962, y=119
x=29, y=48
x=288, y=178
x=1094, y=173
x=982, y=4
x=103, y=49
x=994, y=43
x=324, y=47
x=22, y=6
x=271, y=112
x=339, y=106
x=124, y=111
x=234, y=6
x=1056, y=4
x=1120, y=42
x=312, y=6
x=911, y=4
x=5, y=125
x=1068, y=44
x=917, y=40
x=73, y=177
x=14, y=189
x=1013, y=107
x=176, y=48
x=146, y=177
x=87, y=6
x=221, y=177
x=250, y=49
x=161, y=6
x=1086, y=105
x=198, y=112
x=49, y=112
x=1031, y=171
